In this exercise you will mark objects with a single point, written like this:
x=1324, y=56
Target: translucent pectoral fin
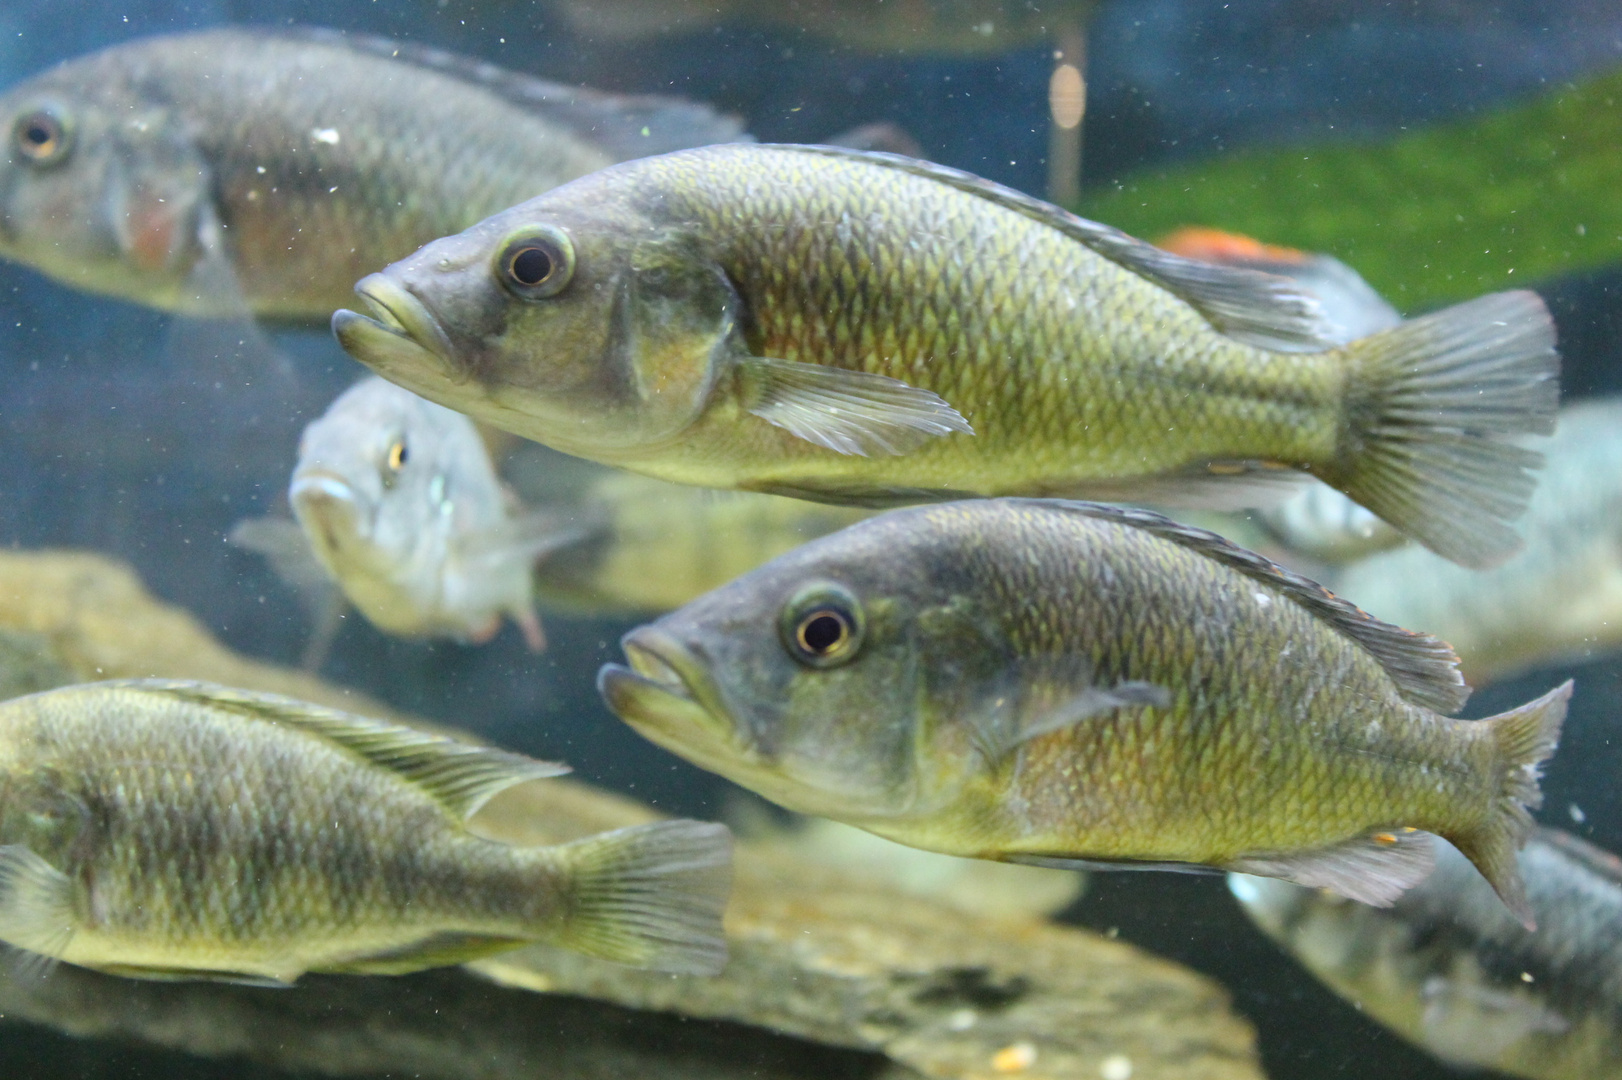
x=36, y=909
x=1043, y=695
x=1374, y=869
x=850, y=412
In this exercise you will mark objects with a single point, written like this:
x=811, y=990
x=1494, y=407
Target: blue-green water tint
x=110, y=442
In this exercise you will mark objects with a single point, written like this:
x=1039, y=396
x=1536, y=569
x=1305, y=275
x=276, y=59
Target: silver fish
x=397, y=499
x=1448, y=969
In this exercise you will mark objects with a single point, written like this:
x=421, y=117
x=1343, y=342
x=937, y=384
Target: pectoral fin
x=1374, y=869
x=36, y=909
x=1049, y=694
x=850, y=412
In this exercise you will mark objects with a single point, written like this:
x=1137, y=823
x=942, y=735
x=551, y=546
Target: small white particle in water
x=1526, y=976
x=962, y=1019
x=329, y=136
x=1116, y=1067
x=1576, y=813
x=1262, y=599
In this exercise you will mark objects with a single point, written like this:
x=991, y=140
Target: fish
x=865, y=329
x=178, y=830
x=1558, y=601
x=254, y=170
x=397, y=500
x=651, y=546
x=1318, y=522
x=1449, y=971
x=930, y=27
x=1067, y=684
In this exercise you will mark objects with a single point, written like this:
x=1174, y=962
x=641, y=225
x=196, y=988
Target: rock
x=436, y=1025
x=829, y=970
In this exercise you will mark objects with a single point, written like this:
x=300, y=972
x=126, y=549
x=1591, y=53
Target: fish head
x=588, y=319
x=828, y=680
x=378, y=477
x=103, y=190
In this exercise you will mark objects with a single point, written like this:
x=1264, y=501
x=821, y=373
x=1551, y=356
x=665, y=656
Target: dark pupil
x=823, y=632
x=38, y=135
x=531, y=266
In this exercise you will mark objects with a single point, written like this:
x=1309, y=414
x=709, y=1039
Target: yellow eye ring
x=41, y=136
x=398, y=455
x=822, y=625
x=536, y=263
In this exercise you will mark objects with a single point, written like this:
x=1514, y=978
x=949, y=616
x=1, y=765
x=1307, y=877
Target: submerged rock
x=832, y=974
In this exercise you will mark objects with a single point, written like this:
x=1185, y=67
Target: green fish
x=254, y=170
x=174, y=830
x=1063, y=683
x=1447, y=969
x=869, y=329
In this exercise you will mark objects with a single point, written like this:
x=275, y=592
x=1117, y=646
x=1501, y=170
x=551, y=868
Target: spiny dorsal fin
x=615, y=122
x=460, y=776
x=1425, y=669
x=1246, y=305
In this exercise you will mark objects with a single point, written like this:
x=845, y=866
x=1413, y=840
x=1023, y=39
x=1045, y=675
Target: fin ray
x=651, y=896
x=460, y=776
x=850, y=412
x=1245, y=305
x=1425, y=669
x=1525, y=737
x=36, y=909
x=1432, y=407
x=1373, y=869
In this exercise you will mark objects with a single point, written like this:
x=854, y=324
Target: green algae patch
x=1435, y=215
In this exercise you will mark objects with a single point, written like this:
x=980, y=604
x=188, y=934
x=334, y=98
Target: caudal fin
x=1525, y=737
x=1432, y=405
x=651, y=896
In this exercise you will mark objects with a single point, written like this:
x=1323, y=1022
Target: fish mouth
x=665, y=691
x=399, y=329
x=331, y=503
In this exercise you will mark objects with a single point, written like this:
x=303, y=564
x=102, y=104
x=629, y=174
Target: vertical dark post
x=1067, y=107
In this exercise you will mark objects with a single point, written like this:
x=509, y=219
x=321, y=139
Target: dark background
x=111, y=442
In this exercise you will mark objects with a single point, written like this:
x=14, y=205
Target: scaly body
x=871, y=329
x=294, y=161
x=1057, y=682
x=180, y=830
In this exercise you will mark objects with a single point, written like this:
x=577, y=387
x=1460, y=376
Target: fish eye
x=398, y=455
x=41, y=136
x=536, y=263
x=822, y=625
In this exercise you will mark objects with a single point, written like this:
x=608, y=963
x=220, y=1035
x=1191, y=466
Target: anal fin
x=1374, y=869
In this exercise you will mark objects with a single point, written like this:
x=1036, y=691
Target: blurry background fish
x=397, y=501
x=267, y=170
x=1450, y=970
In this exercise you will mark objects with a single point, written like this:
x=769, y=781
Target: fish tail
x=650, y=896
x=1430, y=408
x=1524, y=737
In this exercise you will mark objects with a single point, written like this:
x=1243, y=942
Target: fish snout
x=328, y=501
x=401, y=339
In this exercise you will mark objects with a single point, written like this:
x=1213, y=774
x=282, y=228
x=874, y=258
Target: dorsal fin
x=614, y=122
x=1246, y=305
x=1425, y=669
x=460, y=776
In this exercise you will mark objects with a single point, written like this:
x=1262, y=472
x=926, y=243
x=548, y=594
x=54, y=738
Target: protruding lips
x=665, y=691
x=398, y=319
x=330, y=501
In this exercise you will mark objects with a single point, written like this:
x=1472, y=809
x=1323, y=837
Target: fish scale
x=1063, y=682
x=167, y=829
